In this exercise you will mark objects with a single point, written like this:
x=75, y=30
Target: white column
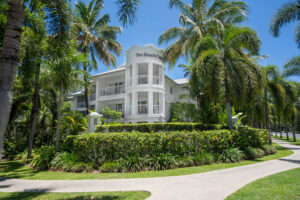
x=150, y=73
x=126, y=103
x=162, y=104
x=134, y=74
x=134, y=103
x=150, y=102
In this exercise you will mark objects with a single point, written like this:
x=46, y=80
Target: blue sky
x=155, y=16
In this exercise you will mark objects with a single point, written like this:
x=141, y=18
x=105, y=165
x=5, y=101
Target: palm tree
x=197, y=20
x=292, y=67
x=289, y=12
x=95, y=37
x=222, y=61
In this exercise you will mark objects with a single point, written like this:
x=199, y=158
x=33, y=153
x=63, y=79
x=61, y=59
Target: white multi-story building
x=139, y=89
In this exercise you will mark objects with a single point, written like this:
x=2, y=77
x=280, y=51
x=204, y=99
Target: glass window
x=95, y=121
x=171, y=90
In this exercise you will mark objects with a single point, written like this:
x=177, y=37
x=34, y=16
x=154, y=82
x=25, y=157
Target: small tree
x=111, y=115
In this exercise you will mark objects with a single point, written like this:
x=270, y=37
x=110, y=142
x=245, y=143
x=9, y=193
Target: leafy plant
x=203, y=158
x=254, y=153
x=269, y=149
x=110, y=166
x=232, y=155
x=186, y=161
x=163, y=161
x=132, y=164
x=42, y=157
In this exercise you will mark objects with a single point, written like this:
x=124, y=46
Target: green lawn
x=285, y=185
x=290, y=139
x=75, y=196
x=15, y=169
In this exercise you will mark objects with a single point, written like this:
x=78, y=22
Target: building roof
x=182, y=81
x=121, y=68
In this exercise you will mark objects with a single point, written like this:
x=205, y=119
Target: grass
x=15, y=169
x=291, y=140
x=75, y=196
x=284, y=185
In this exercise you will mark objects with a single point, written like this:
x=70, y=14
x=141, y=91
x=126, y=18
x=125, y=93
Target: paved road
x=214, y=185
x=290, y=134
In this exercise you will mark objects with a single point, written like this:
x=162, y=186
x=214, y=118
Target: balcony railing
x=156, y=109
x=142, y=109
x=156, y=80
x=112, y=90
x=92, y=97
x=142, y=79
x=81, y=105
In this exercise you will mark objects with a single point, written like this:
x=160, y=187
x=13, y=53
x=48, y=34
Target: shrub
x=157, y=127
x=102, y=147
x=70, y=163
x=269, y=149
x=132, y=164
x=232, y=155
x=42, y=157
x=203, y=158
x=185, y=161
x=110, y=166
x=13, y=146
x=162, y=162
x=254, y=153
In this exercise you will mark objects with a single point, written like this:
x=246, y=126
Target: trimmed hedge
x=101, y=147
x=157, y=127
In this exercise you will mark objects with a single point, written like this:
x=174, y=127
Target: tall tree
x=289, y=12
x=223, y=61
x=96, y=38
x=197, y=20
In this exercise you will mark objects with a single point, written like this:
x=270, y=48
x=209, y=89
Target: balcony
x=112, y=90
x=81, y=105
x=142, y=79
x=92, y=97
x=156, y=80
x=156, y=109
x=142, y=109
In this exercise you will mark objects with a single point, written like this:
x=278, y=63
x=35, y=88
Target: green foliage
x=111, y=115
x=185, y=161
x=254, y=153
x=133, y=163
x=102, y=147
x=110, y=166
x=13, y=146
x=162, y=161
x=232, y=155
x=203, y=158
x=269, y=149
x=70, y=163
x=42, y=157
x=183, y=112
x=157, y=127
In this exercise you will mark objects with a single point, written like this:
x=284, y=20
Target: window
x=171, y=90
x=95, y=121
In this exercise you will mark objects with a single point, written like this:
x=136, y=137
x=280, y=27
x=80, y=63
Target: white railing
x=156, y=109
x=81, y=105
x=112, y=90
x=92, y=97
x=142, y=109
x=156, y=80
x=142, y=79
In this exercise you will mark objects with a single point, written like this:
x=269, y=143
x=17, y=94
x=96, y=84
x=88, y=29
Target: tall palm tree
x=95, y=37
x=197, y=20
x=292, y=67
x=289, y=12
x=223, y=61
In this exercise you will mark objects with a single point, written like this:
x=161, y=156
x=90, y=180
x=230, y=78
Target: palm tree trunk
x=86, y=96
x=267, y=120
x=280, y=130
x=35, y=109
x=294, y=134
x=286, y=131
x=9, y=60
x=228, y=105
x=59, y=116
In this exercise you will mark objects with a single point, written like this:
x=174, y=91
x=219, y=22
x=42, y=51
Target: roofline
x=111, y=71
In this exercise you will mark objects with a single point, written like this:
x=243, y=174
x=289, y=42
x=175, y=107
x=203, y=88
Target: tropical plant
x=42, y=157
x=95, y=37
x=223, y=61
x=289, y=12
x=253, y=153
x=197, y=20
x=232, y=155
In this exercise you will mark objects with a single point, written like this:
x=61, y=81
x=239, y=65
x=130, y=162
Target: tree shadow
x=15, y=169
x=24, y=195
x=290, y=160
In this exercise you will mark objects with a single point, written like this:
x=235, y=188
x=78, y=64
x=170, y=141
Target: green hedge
x=157, y=127
x=101, y=147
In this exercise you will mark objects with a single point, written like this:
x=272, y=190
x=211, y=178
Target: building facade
x=139, y=89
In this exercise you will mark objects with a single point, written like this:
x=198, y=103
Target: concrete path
x=213, y=185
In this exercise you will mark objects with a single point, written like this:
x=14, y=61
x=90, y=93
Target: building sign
x=153, y=55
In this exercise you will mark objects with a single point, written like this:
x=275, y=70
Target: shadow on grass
x=290, y=160
x=15, y=169
x=24, y=195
